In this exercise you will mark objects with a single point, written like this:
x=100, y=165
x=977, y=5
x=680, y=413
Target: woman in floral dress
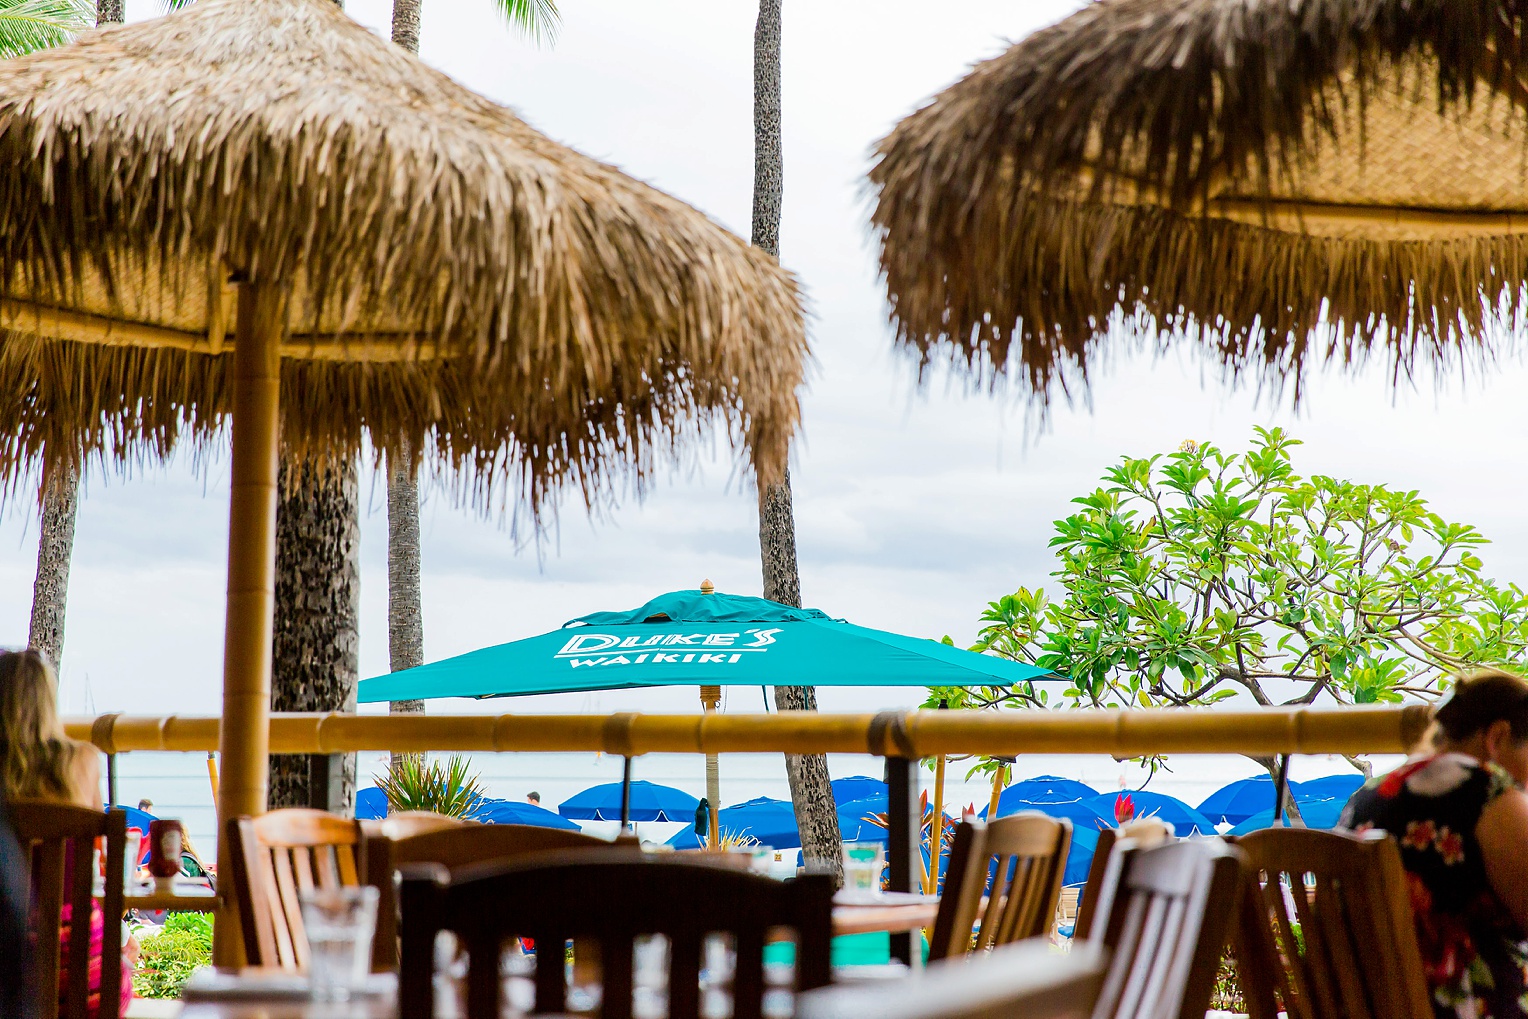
x=1460, y=815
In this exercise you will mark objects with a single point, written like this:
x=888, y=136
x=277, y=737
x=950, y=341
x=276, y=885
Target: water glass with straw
x=863, y=863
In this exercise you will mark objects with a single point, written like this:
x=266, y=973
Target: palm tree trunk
x=405, y=613
x=405, y=618
x=811, y=791
x=55, y=548
x=316, y=651
x=60, y=506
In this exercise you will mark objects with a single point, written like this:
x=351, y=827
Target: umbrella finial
x=706, y=587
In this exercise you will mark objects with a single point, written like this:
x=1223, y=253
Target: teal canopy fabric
x=686, y=638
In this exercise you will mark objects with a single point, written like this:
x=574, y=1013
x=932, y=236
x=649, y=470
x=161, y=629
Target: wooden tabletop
x=893, y=917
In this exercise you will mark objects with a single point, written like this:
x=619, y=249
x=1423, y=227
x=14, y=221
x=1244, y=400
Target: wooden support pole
x=244, y=735
x=904, y=828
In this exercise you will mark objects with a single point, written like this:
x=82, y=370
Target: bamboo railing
x=904, y=734
x=902, y=737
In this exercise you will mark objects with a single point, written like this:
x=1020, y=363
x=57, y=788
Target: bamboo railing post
x=244, y=735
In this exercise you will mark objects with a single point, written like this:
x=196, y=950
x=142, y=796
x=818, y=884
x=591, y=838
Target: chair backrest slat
x=610, y=897
x=1017, y=862
x=1355, y=953
x=1164, y=914
x=60, y=841
x=277, y=858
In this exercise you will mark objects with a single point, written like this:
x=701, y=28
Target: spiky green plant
x=27, y=25
x=442, y=787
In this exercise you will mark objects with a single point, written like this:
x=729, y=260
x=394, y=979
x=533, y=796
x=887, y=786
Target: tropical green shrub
x=167, y=958
x=418, y=784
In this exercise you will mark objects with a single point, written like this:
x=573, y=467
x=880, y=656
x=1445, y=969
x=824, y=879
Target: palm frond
x=27, y=25
x=538, y=19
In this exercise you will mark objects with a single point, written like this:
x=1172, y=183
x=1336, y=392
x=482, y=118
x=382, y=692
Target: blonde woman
x=38, y=762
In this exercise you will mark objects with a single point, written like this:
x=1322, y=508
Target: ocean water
x=179, y=786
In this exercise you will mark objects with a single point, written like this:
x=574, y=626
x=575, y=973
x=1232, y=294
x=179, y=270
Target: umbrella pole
x=244, y=736
x=625, y=794
x=936, y=836
x=212, y=773
x=710, y=701
x=999, y=779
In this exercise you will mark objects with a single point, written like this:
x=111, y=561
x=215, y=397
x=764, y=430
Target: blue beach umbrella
x=686, y=638
x=1331, y=787
x=772, y=822
x=1032, y=793
x=370, y=804
x=1185, y=820
x=853, y=827
x=1315, y=814
x=1236, y=801
x=493, y=811
x=857, y=787
x=649, y=802
x=1087, y=822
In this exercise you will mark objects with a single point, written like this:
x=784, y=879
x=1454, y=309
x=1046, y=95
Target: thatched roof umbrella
x=1272, y=180
x=247, y=198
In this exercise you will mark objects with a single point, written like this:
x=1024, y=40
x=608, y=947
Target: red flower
x=1124, y=808
x=1419, y=835
x=1451, y=845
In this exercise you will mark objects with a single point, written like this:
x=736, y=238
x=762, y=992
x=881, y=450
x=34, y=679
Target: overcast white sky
x=914, y=506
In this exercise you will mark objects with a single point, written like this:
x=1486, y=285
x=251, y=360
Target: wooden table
x=899, y=913
x=895, y=916
x=1028, y=979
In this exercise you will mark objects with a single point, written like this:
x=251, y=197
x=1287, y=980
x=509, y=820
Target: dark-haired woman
x=1460, y=815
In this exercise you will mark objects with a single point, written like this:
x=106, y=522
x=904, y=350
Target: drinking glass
x=862, y=868
x=340, y=923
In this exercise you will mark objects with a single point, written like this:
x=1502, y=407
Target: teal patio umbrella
x=686, y=638
x=702, y=638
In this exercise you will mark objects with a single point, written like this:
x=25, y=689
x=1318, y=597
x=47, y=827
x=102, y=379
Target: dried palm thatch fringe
x=576, y=326
x=1082, y=175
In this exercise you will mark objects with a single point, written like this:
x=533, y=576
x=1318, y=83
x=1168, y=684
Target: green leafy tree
x=1200, y=575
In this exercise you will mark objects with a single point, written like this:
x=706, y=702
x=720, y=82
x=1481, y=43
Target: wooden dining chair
x=1028, y=979
x=1144, y=833
x=1017, y=863
x=453, y=845
x=609, y=896
x=60, y=840
x=1164, y=915
x=1356, y=953
x=276, y=858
